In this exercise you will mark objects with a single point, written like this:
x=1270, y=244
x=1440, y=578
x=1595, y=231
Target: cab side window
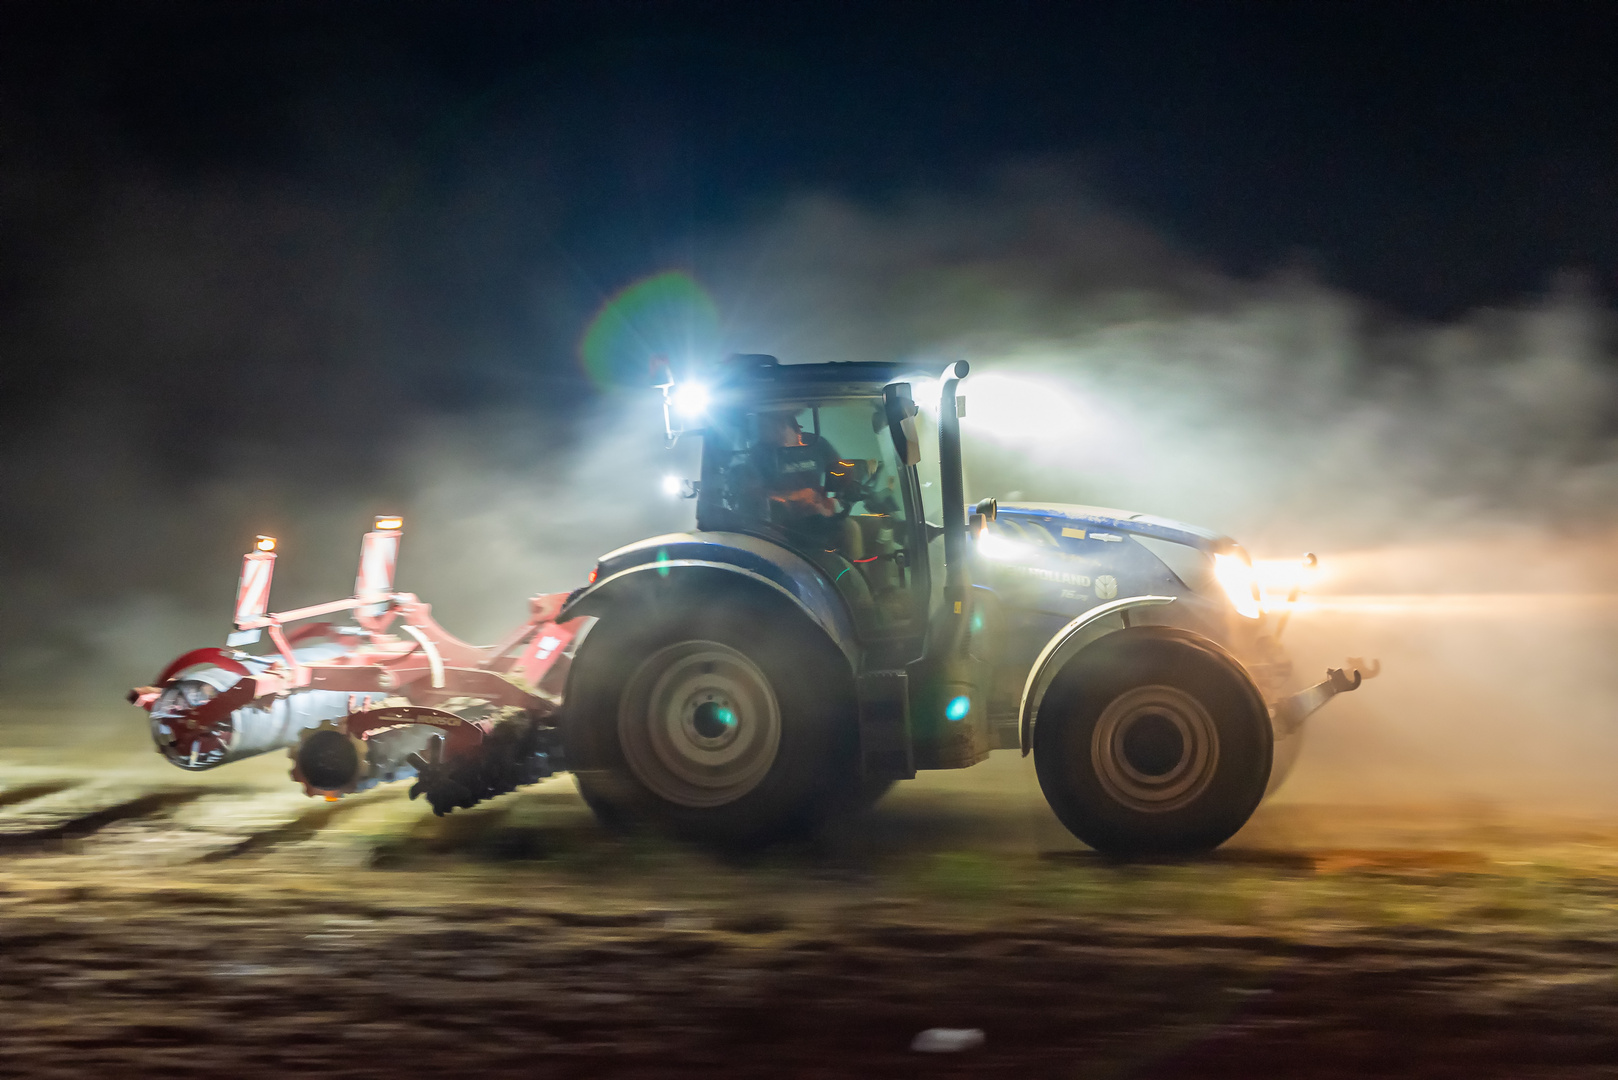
x=823, y=478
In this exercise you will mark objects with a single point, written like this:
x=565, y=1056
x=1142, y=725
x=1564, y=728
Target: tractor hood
x=1064, y=559
x=1099, y=522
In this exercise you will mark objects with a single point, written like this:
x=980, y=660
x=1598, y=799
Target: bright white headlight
x=690, y=399
x=1236, y=577
x=672, y=486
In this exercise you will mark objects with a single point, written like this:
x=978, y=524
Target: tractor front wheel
x=1153, y=741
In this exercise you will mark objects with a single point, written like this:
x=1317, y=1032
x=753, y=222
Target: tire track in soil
x=215, y=824
x=27, y=792
x=80, y=811
x=300, y=828
x=120, y=823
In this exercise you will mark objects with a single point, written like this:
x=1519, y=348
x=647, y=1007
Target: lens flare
x=1236, y=577
x=1469, y=606
x=666, y=314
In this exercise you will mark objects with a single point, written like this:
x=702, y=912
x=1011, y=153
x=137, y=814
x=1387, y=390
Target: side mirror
x=983, y=512
x=901, y=411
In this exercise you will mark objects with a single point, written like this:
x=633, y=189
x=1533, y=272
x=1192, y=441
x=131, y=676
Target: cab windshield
x=820, y=476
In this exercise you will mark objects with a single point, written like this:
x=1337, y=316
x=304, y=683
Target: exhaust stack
x=957, y=577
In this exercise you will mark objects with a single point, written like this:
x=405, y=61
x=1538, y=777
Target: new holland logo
x=1106, y=587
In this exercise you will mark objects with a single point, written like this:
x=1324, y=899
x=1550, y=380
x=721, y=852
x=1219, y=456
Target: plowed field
x=159, y=924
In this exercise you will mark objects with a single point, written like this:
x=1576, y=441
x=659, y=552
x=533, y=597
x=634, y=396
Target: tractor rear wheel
x=1153, y=741
x=724, y=724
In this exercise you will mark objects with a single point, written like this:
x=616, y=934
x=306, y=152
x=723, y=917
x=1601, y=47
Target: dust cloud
x=1458, y=480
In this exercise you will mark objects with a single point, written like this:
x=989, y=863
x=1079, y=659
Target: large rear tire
x=1153, y=741
x=725, y=723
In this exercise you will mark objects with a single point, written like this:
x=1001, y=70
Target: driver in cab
x=796, y=466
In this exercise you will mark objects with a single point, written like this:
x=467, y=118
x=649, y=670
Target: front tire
x=1153, y=741
x=1287, y=749
x=725, y=723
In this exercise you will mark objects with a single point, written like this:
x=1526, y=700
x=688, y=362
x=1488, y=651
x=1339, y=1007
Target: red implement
x=394, y=667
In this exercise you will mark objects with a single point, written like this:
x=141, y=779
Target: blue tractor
x=837, y=622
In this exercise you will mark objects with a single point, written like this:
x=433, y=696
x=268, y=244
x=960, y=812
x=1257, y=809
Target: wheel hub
x=186, y=741
x=1153, y=744
x=713, y=720
x=1155, y=749
x=699, y=723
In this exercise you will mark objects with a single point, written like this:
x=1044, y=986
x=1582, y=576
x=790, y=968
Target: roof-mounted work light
x=685, y=407
x=690, y=399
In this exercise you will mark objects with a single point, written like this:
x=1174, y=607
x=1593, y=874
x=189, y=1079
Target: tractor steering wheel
x=854, y=491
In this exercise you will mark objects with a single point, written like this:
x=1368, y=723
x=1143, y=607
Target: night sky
x=250, y=252
x=495, y=171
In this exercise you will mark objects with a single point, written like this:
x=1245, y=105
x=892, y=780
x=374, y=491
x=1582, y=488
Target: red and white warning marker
x=379, y=555
x=253, y=591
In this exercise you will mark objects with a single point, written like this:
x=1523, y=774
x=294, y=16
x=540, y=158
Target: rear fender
x=641, y=596
x=635, y=586
x=1066, y=644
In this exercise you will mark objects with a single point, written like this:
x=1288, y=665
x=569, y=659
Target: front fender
x=1067, y=643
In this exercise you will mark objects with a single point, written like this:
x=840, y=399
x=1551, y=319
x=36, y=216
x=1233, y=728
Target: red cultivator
x=390, y=695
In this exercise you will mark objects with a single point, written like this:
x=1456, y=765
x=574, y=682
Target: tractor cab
x=820, y=461
x=806, y=457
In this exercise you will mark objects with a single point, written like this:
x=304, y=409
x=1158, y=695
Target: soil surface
x=158, y=924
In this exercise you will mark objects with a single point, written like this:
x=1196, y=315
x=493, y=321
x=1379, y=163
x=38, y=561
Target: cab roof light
x=690, y=399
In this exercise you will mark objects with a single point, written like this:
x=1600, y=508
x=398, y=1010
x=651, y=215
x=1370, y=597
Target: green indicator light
x=958, y=708
x=726, y=717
